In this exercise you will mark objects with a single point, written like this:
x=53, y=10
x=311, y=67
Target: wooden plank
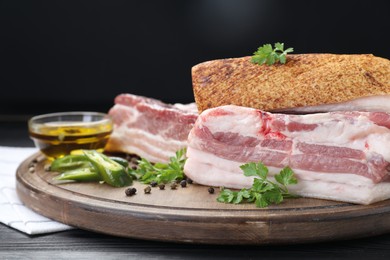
x=192, y=215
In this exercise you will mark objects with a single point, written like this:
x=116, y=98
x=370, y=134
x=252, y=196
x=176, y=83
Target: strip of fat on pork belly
x=150, y=128
x=340, y=156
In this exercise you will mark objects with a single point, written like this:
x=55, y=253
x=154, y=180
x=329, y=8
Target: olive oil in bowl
x=60, y=133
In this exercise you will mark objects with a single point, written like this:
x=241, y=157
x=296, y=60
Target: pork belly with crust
x=305, y=80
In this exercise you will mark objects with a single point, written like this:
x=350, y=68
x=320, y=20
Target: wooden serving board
x=192, y=215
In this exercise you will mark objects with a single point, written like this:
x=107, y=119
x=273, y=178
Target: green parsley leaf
x=235, y=197
x=257, y=170
x=279, y=46
x=274, y=196
x=268, y=55
x=260, y=186
x=263, y=191
x=162, y=172
x=260, y=201
x=226, y=196
x=286, y=177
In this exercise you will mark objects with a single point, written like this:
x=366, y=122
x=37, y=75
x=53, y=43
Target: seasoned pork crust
x=305, y=80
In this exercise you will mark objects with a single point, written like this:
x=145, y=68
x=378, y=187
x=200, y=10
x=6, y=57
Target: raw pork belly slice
x=340, y=156
x=150, y=128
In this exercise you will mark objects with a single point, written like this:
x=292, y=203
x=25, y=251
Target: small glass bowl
x=59, y=134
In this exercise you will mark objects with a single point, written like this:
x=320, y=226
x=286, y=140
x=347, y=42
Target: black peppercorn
x=173, y=186
x=147, y=190
x=211, y=190
x=130, y=191
x=189, y=181
x=183, y=183
x=161, y=186
x=153, y=183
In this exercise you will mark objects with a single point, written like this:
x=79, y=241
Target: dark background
x=78, y=55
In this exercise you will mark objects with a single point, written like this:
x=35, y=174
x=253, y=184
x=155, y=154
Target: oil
x=60, y=138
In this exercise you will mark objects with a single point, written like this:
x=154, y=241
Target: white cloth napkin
x=12, y=211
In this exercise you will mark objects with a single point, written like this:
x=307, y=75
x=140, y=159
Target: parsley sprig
x=263, y=191
x=162, y=172
x=267, y=54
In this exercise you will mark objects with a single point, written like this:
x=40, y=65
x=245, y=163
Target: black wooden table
x=81, y=244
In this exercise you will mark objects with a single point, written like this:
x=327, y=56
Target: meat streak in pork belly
x=150, y=128
x=339, y=155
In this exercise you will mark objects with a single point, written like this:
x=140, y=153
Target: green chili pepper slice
x=69, y=162
x=120, y=160
x=110, y=171
x=87, y=174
